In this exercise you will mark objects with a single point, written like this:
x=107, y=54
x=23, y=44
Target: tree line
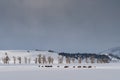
x=87, y=57
x=62, y=58
x=39, y=59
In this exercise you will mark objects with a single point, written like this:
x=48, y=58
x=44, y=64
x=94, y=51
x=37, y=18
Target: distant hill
x=113, y=53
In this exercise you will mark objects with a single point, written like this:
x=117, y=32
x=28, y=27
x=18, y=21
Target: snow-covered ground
x=108, y=71
x=33, y=72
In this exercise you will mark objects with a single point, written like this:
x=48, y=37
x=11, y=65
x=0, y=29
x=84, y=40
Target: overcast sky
x=60, y=25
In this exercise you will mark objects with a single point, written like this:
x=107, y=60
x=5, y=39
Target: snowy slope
x=113, y=53
x=26, y=53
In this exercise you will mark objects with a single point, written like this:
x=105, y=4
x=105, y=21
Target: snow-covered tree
x=25, y=58
x=19, y=59
x=39, y=58
x=14, y=59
